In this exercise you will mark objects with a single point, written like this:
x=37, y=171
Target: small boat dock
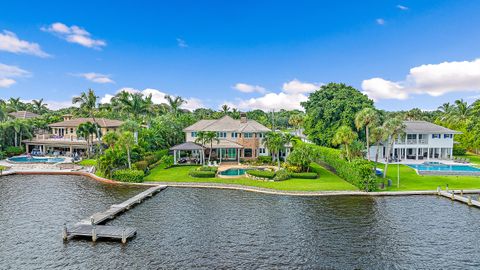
x=91, y=226
x=459, y=196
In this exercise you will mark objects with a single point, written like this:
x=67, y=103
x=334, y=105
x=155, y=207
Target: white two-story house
x=422, y=141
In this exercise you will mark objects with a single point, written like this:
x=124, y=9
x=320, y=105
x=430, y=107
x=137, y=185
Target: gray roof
x=75, y=122
x=427, y=127
x=227, y=123
x=187, y=146
x=23, y=115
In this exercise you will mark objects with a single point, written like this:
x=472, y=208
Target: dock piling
x=65, y=232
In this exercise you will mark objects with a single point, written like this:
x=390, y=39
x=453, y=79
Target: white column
x=416, y=153
x=220, y=153
x=451, y=153
x=175, y=157
x=428, y=153
x=238, y=155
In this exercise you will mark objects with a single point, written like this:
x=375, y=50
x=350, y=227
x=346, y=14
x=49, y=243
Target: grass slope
x=326, y=182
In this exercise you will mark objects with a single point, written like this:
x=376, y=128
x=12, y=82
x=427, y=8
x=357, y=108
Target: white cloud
x=296, y=87
x=74, y=34
x=181, y=43
x=9, y=42
x=380, y=21
x=96, y=77
x=402, y=7
x=248, y=88
x=293, y=92
x=8, y=72
x=432, y=79
x=158, y=97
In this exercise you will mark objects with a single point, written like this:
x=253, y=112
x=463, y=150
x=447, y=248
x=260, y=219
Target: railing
x=53, y=137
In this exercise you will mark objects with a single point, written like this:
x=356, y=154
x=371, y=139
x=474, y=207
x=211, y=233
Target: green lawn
x=410, y=180
x=475, y=159
x=326, y=182
x=88, y=162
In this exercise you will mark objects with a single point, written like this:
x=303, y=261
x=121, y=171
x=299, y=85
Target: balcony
x=53, y=137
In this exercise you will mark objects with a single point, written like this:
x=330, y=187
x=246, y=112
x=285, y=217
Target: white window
x=194, y=134
x=221, y=134
x=234, y=134
x=447, y=136
x=436, y=136
x=261, y=135
x=261, y=150
x=248, y=135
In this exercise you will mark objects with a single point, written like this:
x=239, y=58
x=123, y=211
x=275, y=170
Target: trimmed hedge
x=132, y=176
x=261, y=174
x=304, y=175
x=208, y=169
x=201, y=174
x=141, y=165
x=358, y=172
x=14, y=151
x=281, y=175
x=264, y=159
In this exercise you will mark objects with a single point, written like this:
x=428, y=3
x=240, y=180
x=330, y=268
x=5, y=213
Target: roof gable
x=227, y=123
x=426, y=127
x=102, y=122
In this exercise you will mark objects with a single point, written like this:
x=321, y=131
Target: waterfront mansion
x=62, y=137
x=422, y=141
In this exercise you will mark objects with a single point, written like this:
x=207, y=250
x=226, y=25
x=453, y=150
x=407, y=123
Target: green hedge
x=202, y=174
x=261, y=174
x=281, y=175
x=208, y=169
x=265, y=159
x=141, y=165
x=358, y=172
x=88, y=162
x=14, y=151
x=133, y=176
x=304, y=175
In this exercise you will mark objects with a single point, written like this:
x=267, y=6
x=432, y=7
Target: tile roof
x=23, y=114
x=103, y=122
x=227, y=123
x=426, y=127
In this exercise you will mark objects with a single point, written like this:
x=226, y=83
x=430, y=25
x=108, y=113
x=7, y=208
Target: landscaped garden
x=327, y=181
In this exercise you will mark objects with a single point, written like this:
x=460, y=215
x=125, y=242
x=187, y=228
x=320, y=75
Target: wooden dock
x=458, y=197
x=91, y=226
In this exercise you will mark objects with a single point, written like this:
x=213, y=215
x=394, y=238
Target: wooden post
x=65, y=232
x=124, y=237
x=469, y=200
x=94, y=233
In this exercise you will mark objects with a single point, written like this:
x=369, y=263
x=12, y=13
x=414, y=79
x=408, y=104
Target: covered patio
x=194, y=153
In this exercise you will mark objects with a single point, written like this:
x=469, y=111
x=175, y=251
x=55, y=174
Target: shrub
x=292, y=168
x=88, y=162
x=2, y=168
x=201, y=174
x=141, y=165
x=14, y=151
x=459, y=151
x=132, y=176
x=208, y=169
x=359, y=172
x=281, y=175
x=150, y=159
x=3, y=154
x=161, y=153
x=167, y=161
x=264, y=159
x=261, y=174
x=316, y=168
x=304, y=175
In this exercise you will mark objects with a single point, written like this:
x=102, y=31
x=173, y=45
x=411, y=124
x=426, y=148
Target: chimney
x=243, y=118
x=67, y=117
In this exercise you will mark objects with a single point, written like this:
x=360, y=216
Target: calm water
x=26, y=159
x=444, y=167
x=202, y=228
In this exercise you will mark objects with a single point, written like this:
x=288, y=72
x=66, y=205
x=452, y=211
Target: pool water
x=26, y=159
x=444, y=167
x=234, y=172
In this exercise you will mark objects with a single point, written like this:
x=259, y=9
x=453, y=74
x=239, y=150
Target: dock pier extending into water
x=91, y=226
x=458, y=197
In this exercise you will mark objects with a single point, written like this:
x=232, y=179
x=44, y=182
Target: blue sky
x=248, y=54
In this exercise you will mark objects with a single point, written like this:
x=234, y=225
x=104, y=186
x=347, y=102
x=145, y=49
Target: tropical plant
x=394, y=128
x=366, y=118
x=126, y=141
x=88, y=103
x=345, y=136
x=175, y=103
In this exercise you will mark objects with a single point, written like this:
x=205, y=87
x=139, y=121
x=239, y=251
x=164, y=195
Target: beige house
x=238, y=139
x=63, y=136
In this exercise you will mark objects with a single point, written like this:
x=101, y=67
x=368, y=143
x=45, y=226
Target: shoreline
x=238, y=187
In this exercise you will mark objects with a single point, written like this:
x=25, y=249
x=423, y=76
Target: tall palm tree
x=201, y=138
x=15, y=105
x=345, y=136
x=175, y=103
x=377, y=135
x=127, y=142
x=462, y=111
x=296, y=120
x=38, y=106
x=85, y=130
x=225, y=109
x=394, y=128
x=366, y=118
x=210, y=137
x=275, y=141
x=88, y=103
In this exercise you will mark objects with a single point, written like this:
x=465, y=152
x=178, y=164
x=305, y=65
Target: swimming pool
x=440, y=168
x=234, y=172
x=27, y=159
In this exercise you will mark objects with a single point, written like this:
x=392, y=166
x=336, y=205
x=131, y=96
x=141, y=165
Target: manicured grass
x=410, y=180
x=475, y=159
x=88, y=162
x=326, y=182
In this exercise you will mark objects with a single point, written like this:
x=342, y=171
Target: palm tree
x=127, y=141
x=85, y=130
x=210, y=137
x=225, y=109
x=201, y=137
x=394, y=128
x=275, y=141
x=462, y=111
x=344, y=135
x=175, y=103
x=366, y=118
x=15, y=105
x=38, y=106
x=88, y=103
x=110, y=139
x=296, y=120
x=377, y=136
